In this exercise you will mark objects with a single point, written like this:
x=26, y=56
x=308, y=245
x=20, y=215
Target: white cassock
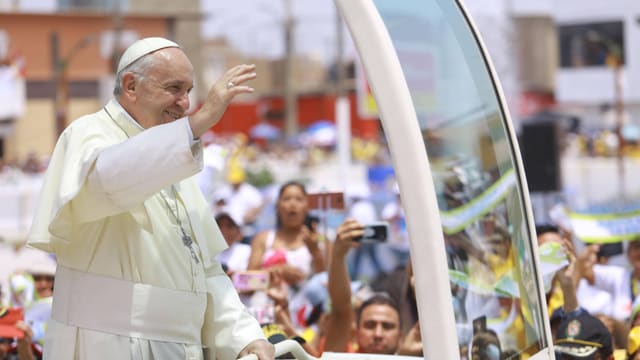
x=126, y=286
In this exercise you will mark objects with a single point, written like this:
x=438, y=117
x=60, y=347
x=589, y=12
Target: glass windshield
x=491, y=268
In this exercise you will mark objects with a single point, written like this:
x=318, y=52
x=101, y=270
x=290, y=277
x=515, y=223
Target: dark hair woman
x=291, y=249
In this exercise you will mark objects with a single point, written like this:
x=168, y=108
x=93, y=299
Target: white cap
x=41, y=264
x=358, y=191
x=141, y=48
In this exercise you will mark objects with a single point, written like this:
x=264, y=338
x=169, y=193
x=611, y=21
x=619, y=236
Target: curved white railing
x=285, y=347
x=413, y=173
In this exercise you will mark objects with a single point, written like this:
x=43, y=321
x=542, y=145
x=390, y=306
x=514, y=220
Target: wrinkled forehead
x=170, y=62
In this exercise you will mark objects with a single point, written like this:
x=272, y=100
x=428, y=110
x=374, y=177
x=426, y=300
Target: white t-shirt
x=239, y=202
x=363, y=211
x=610, y=294
x=236, y=257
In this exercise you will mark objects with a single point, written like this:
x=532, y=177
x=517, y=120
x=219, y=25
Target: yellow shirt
x=620, y=354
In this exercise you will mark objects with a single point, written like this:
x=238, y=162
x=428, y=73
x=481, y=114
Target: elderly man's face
x=161, y=94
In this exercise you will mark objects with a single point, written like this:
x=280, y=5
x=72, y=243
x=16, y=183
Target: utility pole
x=60, y=78
x=614, y=60
x=616, y=63
x=118, y=25
x=342, y=106
x=340, y=69
x=290, y=98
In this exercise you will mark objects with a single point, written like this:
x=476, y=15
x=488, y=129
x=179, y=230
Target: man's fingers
x=241, y=69
x=240, y=90
x=239, y=80
x=240, y=73
x=232, y=83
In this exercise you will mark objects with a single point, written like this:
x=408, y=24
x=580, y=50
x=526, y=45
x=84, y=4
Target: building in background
x=314, y=88
x=584, y=54
x=91, y=34
x=547, y=54
x=87, y=68
x=68, y=49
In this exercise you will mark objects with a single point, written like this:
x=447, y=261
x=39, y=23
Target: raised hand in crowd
x=25, y=352
x=586, y=260
x=569, y=277
x=310, y=237
x=279, y=294
x=411, y=344
x=339, y=321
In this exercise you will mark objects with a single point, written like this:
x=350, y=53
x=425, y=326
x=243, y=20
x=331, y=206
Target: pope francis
x=134, y=237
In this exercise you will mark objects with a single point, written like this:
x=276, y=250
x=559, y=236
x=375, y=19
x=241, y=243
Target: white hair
x=138, y=67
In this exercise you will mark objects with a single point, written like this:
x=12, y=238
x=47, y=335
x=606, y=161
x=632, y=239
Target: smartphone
x=375, y=233
x=326, y=201
x=252, y=280
x=311, y=222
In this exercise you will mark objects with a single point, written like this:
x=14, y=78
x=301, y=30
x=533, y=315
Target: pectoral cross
x=188, y=242
x=186, y=239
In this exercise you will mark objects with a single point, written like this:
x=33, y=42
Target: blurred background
x=567, y=69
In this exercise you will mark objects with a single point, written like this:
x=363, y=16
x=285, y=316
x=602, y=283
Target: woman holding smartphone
x=291, y=249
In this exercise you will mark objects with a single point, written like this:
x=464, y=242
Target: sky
x=256, y=27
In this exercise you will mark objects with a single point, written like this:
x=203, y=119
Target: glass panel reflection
x=489, y=251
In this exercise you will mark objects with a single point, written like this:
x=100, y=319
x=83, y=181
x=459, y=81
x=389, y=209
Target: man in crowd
x=240, y=199
x=133, y=235
x=602, y=289
x=583, y=336
x=236, y=257
x=377, y=318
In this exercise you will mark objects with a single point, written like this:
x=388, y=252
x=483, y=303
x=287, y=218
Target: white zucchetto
x=141, y=48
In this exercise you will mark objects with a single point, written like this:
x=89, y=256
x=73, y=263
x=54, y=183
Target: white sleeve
x=126, y=174
x=254, y=197
x=616, y=281
x=608, y=277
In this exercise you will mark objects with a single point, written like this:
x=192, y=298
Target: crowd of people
x=593, y=305
x=300, y=285
x=136, y=259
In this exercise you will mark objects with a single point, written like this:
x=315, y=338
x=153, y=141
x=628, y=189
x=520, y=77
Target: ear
x=129, y=84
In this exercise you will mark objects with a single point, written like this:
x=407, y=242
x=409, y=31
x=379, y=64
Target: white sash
x=125, y=308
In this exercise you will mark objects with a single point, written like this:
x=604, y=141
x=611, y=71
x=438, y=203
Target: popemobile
x=460, y=177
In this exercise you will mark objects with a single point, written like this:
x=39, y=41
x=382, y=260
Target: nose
x=183, y=101
x=378, y=331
